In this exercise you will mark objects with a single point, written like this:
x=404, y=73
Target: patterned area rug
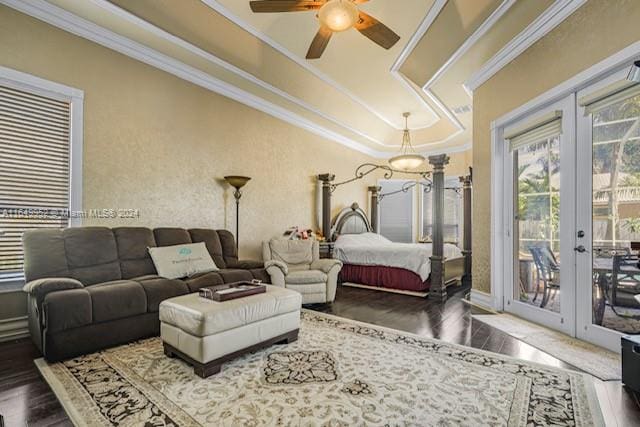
x=598, y=361
x=339, y=373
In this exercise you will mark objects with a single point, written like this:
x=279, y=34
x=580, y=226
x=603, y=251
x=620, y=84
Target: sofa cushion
x=199, y=317
x=92, y=254
x=202, y=280
x=212, y=241
x=67, y=310
x=159, y=289
x=117, y=299
x=294, y=253
x=230, y=275
x=229, y=249
x=132, y=243
x=44, y=254
x=305, y=277
x=171, y=236
x=260, y=274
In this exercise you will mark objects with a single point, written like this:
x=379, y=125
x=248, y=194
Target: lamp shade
x=236, y=181
x=338, y=15
x=406, y=161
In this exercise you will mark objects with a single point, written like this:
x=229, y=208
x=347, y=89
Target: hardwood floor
x=25, y=399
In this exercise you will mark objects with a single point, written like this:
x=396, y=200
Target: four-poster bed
x=406, y=267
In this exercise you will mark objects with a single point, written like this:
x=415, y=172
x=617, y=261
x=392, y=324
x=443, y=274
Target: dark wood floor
x=25, y=399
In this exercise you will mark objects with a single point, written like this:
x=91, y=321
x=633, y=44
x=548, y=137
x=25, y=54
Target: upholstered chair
x=296, y=264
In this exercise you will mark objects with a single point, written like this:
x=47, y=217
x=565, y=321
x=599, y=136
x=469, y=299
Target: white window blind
x=608, y=96
x=396, y=212
x=452, y=227
x=34, y=171
x=540, y=129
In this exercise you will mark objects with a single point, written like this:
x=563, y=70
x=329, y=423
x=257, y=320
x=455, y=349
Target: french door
x=608, y=211
x=539, y=160
x=572, y=209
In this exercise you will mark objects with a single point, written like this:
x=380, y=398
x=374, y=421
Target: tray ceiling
x=356, y=93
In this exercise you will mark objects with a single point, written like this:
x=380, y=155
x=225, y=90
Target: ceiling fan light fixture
x=407, y=159
x=338, y=15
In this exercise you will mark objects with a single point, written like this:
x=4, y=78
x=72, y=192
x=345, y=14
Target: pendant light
x=408, y=158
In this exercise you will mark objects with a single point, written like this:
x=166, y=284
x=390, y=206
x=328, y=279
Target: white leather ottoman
x=207, y=333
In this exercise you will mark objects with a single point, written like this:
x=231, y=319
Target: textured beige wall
x=595, y=31
x=159, y=144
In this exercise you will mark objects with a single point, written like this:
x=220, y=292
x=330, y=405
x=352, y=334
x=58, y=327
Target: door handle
x=580, y=248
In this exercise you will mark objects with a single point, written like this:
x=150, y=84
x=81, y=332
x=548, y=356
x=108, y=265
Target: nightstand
x=326, y=249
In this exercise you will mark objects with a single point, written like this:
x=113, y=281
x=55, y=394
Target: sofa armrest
x=39, y=288
x=248, y=264
x=270, y=265
x=325, y=265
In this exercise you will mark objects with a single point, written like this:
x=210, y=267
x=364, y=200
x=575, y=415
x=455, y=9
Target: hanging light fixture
x=408, y=158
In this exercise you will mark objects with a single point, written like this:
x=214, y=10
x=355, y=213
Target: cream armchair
x=296, y=264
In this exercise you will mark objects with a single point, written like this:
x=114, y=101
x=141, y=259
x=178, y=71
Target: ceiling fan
x=334, y=16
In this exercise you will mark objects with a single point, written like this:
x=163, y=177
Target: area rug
x=598, y=361
x=339, y=373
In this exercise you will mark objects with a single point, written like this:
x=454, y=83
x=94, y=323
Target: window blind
x=540, y=129
x=34, y=171
x=452, y=227
x=396, y=212
x=608, y=96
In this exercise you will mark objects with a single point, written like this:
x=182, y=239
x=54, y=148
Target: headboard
x=351, y=220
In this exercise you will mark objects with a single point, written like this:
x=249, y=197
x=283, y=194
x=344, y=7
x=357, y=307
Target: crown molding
x=542, y=25
x=222, y=10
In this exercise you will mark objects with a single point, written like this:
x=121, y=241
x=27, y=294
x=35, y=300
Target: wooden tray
x=231, y=291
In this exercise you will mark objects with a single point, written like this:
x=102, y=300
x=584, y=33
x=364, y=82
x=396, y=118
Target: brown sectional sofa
x=91, y=288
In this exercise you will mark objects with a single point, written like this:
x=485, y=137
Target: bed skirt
x=383, y=277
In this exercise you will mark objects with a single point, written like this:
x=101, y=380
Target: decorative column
x=326, y=179
x=466, y=238
x=375, y=191
x=437, y=290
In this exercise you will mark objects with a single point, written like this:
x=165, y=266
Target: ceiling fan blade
x=271, y=6
x=319, y=43
x=376, y=31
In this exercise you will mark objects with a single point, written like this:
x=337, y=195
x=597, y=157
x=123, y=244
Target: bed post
x=326, y=179
x=466, y=239
x=437, y=288
x=375, y=191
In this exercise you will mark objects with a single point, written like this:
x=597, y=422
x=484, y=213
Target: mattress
x=372, y=249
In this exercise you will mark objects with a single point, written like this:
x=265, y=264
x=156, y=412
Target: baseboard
x=14, y=328
x=482, y=300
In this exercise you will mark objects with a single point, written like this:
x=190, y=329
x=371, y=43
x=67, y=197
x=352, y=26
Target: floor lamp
x=237, y=182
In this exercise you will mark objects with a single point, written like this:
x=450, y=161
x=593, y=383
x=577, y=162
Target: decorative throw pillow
x=174, y=262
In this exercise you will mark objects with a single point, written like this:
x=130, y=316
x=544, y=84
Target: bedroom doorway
x=540, y=155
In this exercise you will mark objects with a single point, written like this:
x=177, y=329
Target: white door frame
x=565, y=320
x=585, y=329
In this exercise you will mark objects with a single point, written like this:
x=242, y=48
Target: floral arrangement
x=301, y=233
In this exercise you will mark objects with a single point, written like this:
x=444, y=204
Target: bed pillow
x=174, y=262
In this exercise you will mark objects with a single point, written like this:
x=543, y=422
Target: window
x=453, y=212
x=36, y=189
x=396, y=211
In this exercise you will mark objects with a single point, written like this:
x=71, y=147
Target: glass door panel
x=537, y=223
x=616, y=216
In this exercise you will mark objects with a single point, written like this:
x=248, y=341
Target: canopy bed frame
x=353, y=220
